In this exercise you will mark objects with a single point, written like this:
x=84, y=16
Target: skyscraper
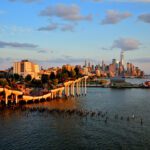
x=103, y=66
x=89, y=64
x=85, y=63
x=122, y=57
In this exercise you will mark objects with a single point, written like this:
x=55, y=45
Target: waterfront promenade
x=69, y=88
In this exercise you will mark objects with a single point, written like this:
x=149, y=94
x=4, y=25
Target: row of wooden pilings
x=70, y=88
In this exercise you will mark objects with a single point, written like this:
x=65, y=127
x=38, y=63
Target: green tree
x=16, y=77
x=44, y=78
x=28, y=78
x=11, y=77
x=55, y=81
x=77, y=71
x=65, y=76
x=52, y=76
x=21, y=78
x=72, y=73
x=59, y=76
x=36, y=83
x=3, y=82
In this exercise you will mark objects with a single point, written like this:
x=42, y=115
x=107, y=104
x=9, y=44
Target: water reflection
x=71, y=103
x=98, y=121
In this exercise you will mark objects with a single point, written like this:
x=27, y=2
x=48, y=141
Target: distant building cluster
x=116, y=68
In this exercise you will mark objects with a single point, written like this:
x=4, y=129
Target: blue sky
x=55, y=32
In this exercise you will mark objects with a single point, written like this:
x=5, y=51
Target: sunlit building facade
x=26, y=67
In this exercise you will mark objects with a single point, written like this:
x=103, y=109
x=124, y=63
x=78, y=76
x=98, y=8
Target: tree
x=21, y=78
x=77, y=71
x=55, y=81
x=3, y=82
x=59, y=76
x=11, y=77
x=64, y=70
x=65, y=76
x=36, y=83
x=28, y=78
x=2, y=76
x=52, y=76
x=44, y=78
x=72, y=73
x=16, y=77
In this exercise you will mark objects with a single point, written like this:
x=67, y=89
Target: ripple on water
x=26, y=130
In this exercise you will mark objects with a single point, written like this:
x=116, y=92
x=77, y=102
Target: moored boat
x=146, y=84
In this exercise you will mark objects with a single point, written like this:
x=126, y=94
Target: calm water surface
x=22, y=131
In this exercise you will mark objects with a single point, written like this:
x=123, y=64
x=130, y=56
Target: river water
x=43, y=131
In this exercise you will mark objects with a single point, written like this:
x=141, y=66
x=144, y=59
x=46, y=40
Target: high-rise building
x=129, y=68
x=93, y=68
x=89, y=64
x=122, y=58
x=85, y=63
x=26, y=67
x=103, y=66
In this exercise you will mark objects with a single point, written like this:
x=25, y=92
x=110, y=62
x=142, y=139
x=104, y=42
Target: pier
x=70, y=88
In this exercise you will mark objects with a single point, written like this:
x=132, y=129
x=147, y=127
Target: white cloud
x=17, y=45
x=126, y=44
x=144, y=17
x=26, y=1
x=55, y=26
x=51, y=27
x=65, y=12
x=113, y=17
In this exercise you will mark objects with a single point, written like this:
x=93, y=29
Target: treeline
x=45, y=80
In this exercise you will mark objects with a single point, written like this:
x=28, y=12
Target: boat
x=146, y=84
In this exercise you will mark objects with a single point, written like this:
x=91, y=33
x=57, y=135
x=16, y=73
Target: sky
x=57, y=32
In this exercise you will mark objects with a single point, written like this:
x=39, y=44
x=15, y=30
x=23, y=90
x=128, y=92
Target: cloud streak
x=26, y=1
x=17, y=45
x=143, y=1
x=51, y=27
x=55, y=26
x=141, y=60
x=113, y=17
x=65, y=12
x=126, y=44
x=144, y=17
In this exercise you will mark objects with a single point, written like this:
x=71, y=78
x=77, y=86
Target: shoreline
x=94, y=86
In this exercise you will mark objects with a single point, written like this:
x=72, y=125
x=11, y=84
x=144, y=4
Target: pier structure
x=76, y=87
x=70, y=88
x=16, y=94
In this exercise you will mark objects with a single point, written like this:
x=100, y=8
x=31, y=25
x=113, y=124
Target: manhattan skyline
x=59, y=32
